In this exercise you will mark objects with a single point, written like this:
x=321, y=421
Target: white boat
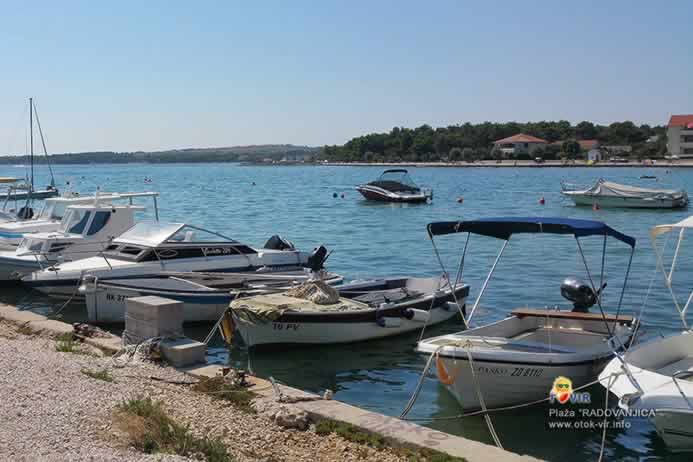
x=655, y=378
x=85, y=230
x=394, y=185
x=364, y=310
x=609, y=194
x=516, y=360
x=205, y=296
x=51, y=214
x=150, y=249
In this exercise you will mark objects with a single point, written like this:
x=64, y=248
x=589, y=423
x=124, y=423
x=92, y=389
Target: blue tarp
x=504, y=227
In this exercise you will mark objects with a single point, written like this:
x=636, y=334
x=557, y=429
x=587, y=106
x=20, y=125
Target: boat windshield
x=152, y=234
x=52, y=211
x=74, y=221
x=398, y=176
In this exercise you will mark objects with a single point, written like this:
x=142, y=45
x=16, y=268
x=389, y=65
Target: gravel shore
x=51, y=411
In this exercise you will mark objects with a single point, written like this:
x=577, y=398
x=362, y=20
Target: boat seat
x=683, y=364
x=544, y=313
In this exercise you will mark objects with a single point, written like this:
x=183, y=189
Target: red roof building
x=521, y=138
x=682, y=120
x=518, y=144
x=680, y=135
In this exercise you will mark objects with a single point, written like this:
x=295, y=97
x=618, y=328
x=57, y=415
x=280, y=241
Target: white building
x=680, y=135
x=519, y=144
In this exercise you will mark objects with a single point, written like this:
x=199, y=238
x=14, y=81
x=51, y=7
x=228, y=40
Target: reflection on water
x=373, y=239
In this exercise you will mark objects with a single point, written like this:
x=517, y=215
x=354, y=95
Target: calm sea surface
x=371, y=239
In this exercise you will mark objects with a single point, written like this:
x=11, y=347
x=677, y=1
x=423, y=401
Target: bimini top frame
x=504, y=227
x=681, y=227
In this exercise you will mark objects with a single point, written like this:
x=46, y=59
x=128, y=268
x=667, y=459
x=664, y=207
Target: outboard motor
x=277, y=242
x=316, y=261
x=582, y=295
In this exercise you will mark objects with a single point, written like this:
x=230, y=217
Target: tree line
x=230, y=154
x=475, y=141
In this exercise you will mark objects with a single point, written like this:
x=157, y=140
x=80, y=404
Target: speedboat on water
x=205, y=296
x=85, y=230
x=517, y=359
x=394, y=186
x=655, y=378
x=52, y=212
x=358, y=311
x=150, y=249
x=609, y=194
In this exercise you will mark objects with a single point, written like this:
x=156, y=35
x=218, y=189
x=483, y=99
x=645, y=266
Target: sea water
x=369, y=239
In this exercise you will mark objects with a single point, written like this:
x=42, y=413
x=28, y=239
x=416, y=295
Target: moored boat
x=655, y=379
x=394, y=185
x=609, y=194
x=150, y=249
x=205, y=296
x=517, y=359
x=85, y=230
x=359, y=311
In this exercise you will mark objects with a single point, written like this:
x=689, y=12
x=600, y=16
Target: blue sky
x=155, y=75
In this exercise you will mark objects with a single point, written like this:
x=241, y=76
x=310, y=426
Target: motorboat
x=358, y=311
x=205, y=296
x=609, y=194
x=516, y=359
x=51, y=214
x=150, y=249
x=655, y=378
x=394, y=185
x=85, y=230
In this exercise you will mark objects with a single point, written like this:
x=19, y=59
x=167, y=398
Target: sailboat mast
x=31, y=140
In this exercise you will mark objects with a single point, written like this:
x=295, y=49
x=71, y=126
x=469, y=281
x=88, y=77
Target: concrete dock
x=396, y=432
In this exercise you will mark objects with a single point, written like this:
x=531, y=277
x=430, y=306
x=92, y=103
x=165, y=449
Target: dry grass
x=98, y=375
x=356, y=435
x=219, y=388
x=149, y=429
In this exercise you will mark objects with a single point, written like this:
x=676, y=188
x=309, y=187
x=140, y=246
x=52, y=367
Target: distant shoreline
x=688, y=163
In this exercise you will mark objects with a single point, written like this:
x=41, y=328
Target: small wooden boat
x=609, y=194
x=205, y=296
x=517, y=359
x=394, y=185
x=362, y=311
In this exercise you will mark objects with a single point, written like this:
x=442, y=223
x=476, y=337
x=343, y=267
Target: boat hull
x=106, y=304
x=505, y=384
x=675, y=427
x=381, y=195
x=627, y=202
x=309, y=333
x=13, y=268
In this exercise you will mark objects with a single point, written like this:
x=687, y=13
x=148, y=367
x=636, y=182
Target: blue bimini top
x=504, y=227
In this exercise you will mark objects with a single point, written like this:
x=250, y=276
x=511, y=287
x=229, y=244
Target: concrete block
x=148, y=317
x=183, y=352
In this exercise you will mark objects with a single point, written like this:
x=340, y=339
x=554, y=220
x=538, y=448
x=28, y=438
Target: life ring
x=442, y=373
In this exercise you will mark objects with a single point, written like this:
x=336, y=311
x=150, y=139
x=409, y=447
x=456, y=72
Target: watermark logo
x=562, y=392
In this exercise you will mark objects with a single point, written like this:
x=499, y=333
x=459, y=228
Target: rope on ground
x=136, y=353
